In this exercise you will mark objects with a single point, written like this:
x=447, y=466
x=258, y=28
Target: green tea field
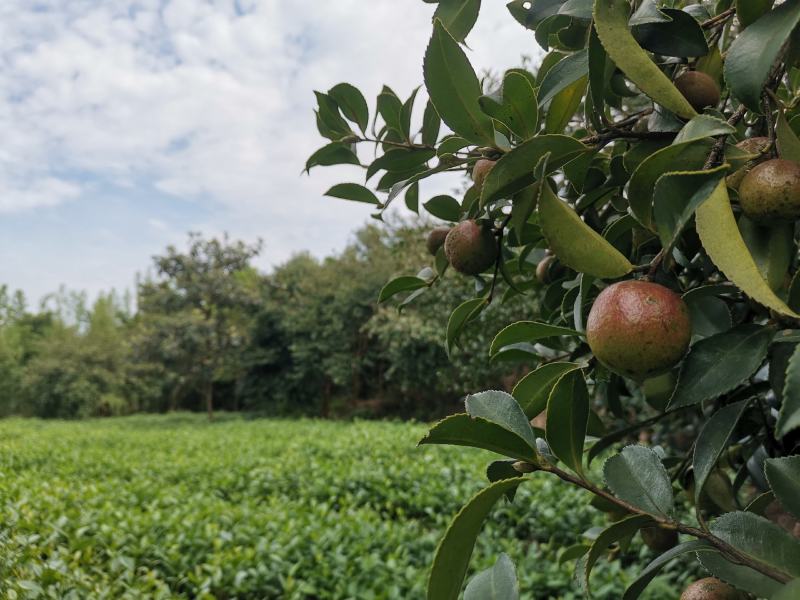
x=176, y=507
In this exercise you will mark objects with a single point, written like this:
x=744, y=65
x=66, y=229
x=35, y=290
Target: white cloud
x=208, y=102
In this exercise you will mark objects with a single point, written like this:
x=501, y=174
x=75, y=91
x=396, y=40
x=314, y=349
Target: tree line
x=205, y=330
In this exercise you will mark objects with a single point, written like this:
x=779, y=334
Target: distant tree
x=196, y=314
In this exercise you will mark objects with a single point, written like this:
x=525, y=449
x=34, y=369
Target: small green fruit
x=710, y=588
x=659, y=539
x=481, y=170
x=699, y=89
x=752, y=145
x=436, y=239
x=470, y=248
x=639, y=329
x=771, y=191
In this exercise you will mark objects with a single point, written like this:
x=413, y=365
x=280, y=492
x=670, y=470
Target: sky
x=124, y=124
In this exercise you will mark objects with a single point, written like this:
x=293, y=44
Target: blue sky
x=127, y=123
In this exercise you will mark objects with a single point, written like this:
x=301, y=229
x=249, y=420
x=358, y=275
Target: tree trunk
x=208, y=394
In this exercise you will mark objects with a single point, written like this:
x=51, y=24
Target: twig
x=714, y=21
x=499, y=233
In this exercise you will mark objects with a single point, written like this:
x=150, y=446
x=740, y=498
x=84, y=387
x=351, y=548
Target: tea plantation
x=176, y=507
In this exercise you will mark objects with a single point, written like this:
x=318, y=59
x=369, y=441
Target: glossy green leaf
x=783, y=475
x=398, y=160
x=739, y=576
x=750, y=11
x=723, y=242
x=431, y=124
x=352, y=104
x=503, y=469
x=501, y=409
x=753, y=52
x=567, y=417
x=444, y=207
x=328, y=113
x=637, y=476
x=454, y=551
x=412, y=198
x=791, y=591
x=578, y=9
x=399, y=285
x=497, y=583
x=788, y=143
x=454, y=88
x=576, y=244
x=390, y=108
x=772, y=249
x=458, y=16
x=515, y=170
x=712, y=441
x=717, y=364
x=463, y=430
x=566, y=72
x=459, y=318
x=611, y=22
x=563, y=106
x=680, y=36
x=647, y=575
x=702, y=126
x=676, y=198
x=789, y=415
x=527, y=332
x=353, y=191
x=613, y=533
x=710, y=315
x=533, y=390
x=648, y=12
x=335, y=153
x=515, y=107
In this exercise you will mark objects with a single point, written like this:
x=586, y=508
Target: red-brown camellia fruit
x=436, y=239
x=699, y=89
x=710, y=588
x=639, y=329
x=481, y=170
x=771, y=191
x=470, y=248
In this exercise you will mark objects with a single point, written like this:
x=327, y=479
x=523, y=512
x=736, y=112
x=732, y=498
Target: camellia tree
x=642, y=189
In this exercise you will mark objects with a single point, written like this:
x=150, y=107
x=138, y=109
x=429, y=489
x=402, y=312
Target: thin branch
x=719, y=19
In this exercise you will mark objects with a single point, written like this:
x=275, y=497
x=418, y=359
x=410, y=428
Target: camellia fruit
x=699, y=89
x=481, y=170
x=470, y=248
x=548, y=270
x=752, y=145
x=659, y=539
x=710, y=588
x=436, y=239
x=771, y=191
x=639, y=329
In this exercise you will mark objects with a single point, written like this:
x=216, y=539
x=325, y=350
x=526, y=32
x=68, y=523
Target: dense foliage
x=176, y=507
x=654, y=156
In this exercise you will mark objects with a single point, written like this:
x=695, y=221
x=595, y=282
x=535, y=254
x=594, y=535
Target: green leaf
x=637, y=476
x=611, y=22
x=680, y=36
x=352, y=104
x=497, y=583
x=431, y=124
x=567, y=417
x=772, y=249
x=501, y=409
x=390, y=108
x=458, y=16
x=330, y=116
x=761, y=540
x=528, y=332
x=562, y=108
x=676, y=198
x=791, y=591
x=723, y=242
x=516, y=107
x=783, y=475
x=753, y=52
x=648, y=12
x=710, y=315
x=353, y=191
x=576, y=244
x=463, y=430
x=566, y=72
x=412, y=198
x=398, y=159
x=690, y=155
x=788, y=143
x=454, y=551
x=703, y=126
x=711, y=442
x=650, y=571
x=579, y=9
x=750, y=11
x=789, y=415
x=454, y=89
x=614, y=533
x=717, y=364
x=459, y=318
x=515, y=169
x=739, y=576
x=401, y=284
x=444, y=207
x=335, y=153
x=533, y=390
x=503, y=469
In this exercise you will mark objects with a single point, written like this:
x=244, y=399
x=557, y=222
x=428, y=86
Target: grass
x=176, y=507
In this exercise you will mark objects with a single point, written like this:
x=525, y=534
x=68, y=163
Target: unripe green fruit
x=481, y=170
x=699, y=89
x=436, y=239
x=639, y=329
x=470, y=248
x=710, y=588
x=771, y=191
x=659, y=539
x=752, y=145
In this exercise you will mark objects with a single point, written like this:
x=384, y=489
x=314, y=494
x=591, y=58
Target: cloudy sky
x=126, y=123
